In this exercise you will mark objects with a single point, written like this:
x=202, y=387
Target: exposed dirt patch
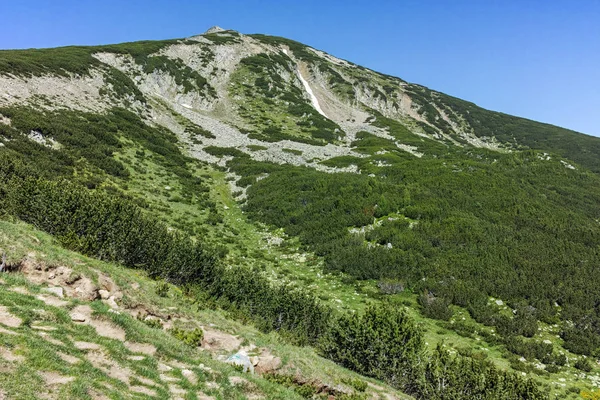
x=97, y=396
x=145, y=381
x=54, y=378
x=55, y=290
x=68, y=358
x=164, y=367
x=9, y=355
x=50, y=339
x=8, y=319
x=167, y=378
x=52, y=300
x=5, y=331
x=107, y=365
x=45, y=328
x=143, y=390
x=85, y=346
x=190, y=376
x=144, y=348
x=216, y=340
x=178, y=364
x=177, y=390
x=83, y=314
x=20, y=290
x=107, y=329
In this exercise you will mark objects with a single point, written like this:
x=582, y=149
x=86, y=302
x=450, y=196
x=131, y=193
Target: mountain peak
x=214, y=29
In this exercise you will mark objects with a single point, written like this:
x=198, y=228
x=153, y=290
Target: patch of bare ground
x=190, y=376
x=8, y=319
x=50, y=339
x=107, y=365
x=5, y=331
x=97, y=395
x=85, y=346
x=143, y=390
x=176, y=390
x=52, y=300
x=144, y=348
x=68, y=358
x=9, y=355
x=215, y=340
x=53, y=378
x=83, y=314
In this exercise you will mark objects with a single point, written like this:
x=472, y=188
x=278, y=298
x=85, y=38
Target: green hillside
x=413, y=238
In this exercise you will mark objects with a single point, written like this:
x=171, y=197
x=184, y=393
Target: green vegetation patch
x=256, y=147
x=343, y=161
x=583, y=149
x=72, y=59
x=300, y=50
x=292, y=151
x=464, y=206
x=223, y=38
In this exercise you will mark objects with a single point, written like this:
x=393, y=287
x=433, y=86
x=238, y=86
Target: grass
x=280, y=114
x=20, y=240
x=247, y=244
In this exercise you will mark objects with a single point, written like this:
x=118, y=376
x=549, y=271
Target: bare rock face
x=214, y=29
x=267, y=364
x=63, y=280
x=86, y=290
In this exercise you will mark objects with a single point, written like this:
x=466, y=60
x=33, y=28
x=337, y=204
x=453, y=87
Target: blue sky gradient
x=535, y=59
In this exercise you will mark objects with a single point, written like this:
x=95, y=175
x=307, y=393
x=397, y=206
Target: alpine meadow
x=232, y=216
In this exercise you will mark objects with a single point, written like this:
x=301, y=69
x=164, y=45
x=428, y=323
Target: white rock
x=55, y=290
x=78, y=317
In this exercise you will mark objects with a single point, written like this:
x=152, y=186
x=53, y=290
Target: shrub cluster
x=192, y=337
x=383, y=342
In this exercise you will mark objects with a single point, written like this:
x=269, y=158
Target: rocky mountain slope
x=288, y=174
x=248, y=90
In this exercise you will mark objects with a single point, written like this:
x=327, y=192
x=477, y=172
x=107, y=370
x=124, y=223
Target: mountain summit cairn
x=214, y=29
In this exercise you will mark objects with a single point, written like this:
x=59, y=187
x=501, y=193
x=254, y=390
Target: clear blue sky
x=536, y=59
